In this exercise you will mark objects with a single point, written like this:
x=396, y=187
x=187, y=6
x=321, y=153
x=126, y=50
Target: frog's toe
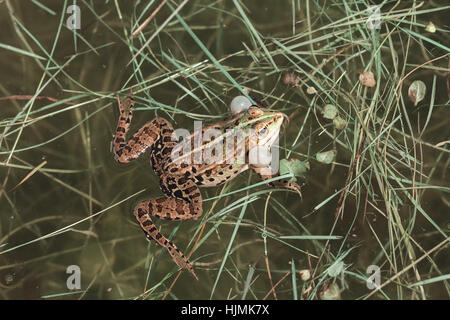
x=126, y=106
x=295, y=187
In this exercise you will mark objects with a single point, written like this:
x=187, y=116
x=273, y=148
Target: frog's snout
x=280, y=116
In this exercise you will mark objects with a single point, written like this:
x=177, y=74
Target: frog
x=180, y=180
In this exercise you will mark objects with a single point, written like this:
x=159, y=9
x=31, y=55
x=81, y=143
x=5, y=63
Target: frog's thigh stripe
x=124, y=151
x=184, y=202
x=169, y=209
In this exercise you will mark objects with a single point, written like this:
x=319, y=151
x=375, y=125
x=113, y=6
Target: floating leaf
x=295, y=167
x=430, y=27
x=305, y=274
x=329, y=112
x=311, y=90
x=291, y=78
x=326, y=157
x=367, y=79
x=416, y=91
x=332, y=292
x=336, y=269
x=339, y=123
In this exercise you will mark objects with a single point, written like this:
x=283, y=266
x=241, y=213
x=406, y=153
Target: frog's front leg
x=186, y=203
x=261, y=171
x=124, y=151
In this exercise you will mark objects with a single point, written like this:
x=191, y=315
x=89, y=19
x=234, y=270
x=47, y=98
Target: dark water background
x=112, y=252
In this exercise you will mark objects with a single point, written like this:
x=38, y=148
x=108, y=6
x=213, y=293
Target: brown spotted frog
x=180, y=180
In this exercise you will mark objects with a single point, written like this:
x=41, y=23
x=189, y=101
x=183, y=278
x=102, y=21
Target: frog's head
x=266, y=124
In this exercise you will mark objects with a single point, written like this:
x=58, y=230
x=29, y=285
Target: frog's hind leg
x=123, y=124
x=125, y=151
x=172, y=209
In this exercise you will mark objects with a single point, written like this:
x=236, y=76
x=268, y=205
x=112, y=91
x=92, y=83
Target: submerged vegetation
x=368, y=143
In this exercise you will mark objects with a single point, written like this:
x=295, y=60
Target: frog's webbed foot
x=126, y=106
x=277, y=183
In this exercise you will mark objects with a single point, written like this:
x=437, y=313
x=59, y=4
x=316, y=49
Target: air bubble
x=239, y=104
x=260, y=156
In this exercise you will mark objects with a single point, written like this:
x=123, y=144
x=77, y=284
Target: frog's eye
x=263, y=131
